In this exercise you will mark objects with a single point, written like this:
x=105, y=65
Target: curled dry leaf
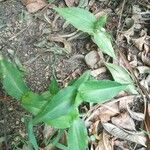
x=141, y=43
x=70, y=3
x=124, y=101
x=108, y=110
x=124, y=120
x=48, y=131
x=135, y=115
x=105, y=112
x=67, y=45
x=98, y=71
x=34, y=5
x=104, y=143
x=121, y=144
x=137, y=137
x=143, y=69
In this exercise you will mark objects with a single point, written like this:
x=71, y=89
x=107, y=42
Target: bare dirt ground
x=43, y=44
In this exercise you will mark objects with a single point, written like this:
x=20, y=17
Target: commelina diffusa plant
x=59, y=107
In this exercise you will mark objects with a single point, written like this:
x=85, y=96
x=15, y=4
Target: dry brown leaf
x=137, y=137
x=103, y=113
x=70, y=3
x=124, y=101
x=104, y=142
x=48, y=131
x=107, y=111
x=34, y=5
x=136, y=115
x=98, y=71
x=143, y=69
x=140, y=42
x=124, y=120
x=121, y=144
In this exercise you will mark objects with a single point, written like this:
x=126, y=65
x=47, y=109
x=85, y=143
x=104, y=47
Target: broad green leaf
x=77, y=136
x=54, y=87
x=46, y=95
x=104, y=43
x=60, y=105
x=100, y=22
x=12, y=79
x=84, y=77
x=31, y=135
x=64, y=121
x=78, y=100
x=80, y=18
x=121, y=75
x=33, y=102
x=99, y=90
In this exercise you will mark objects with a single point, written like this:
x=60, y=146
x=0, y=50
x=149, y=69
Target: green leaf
x=33, y=102
x=31, y=135
x=80, y=18
x=54, y=87
x=77, y=136
x=12, y=79
x=104, y=43
x=46, y=95
x=64, y=121
x=122, y=76
x=60, y=105
x=83, y=78
x=100, y=22
x=99, y=90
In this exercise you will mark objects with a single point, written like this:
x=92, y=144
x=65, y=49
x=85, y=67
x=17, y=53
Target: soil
x=27, y=40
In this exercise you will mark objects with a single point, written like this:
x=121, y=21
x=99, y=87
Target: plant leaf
x=33, y=102
x=80, y=18
x=99, y=90
x=77, y=136
x=31, y=135
x=46, y=95
x=60, y=105
x=100, y=22
x=54, y=87
x=121, y=75
x=12, y=79
x=83, y=78
x=64, y=121
x=104, y=43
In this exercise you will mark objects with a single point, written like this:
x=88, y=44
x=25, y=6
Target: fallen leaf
x=137, y=137
x=70, y=3
x=121, y=144
x=48, y=131
x=143, y=69
x=98, y=71
x=135, y=115
x=108, y=110
x=34, y=5
x=104, y=142
x=124, y=120
x=125, y=101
